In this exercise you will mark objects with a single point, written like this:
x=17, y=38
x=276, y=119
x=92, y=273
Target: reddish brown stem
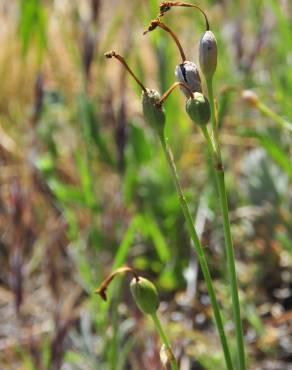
x=157, y=23
x=170, y=90
x=101, y=290
x=165, y=6
x=113, y=54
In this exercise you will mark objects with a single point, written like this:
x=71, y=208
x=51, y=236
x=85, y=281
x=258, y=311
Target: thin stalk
x=219, y=170
x=210, y=142
x=113, y=54
x=231, y=268
x=170, y=90
x=280, y=120
x=199, y=252
x=157, y=23
x=165, y=6
x=209, y=82
x=165, y=341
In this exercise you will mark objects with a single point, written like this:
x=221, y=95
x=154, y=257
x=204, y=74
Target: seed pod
x=153, y=112
x=188, y=73
x=208, y=54
x=145, y=295
x=198, y=108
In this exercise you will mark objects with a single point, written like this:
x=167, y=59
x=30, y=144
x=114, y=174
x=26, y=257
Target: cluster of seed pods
x=197, y=105
x=186, y=72
x=198, y=108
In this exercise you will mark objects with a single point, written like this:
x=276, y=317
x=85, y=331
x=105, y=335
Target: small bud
x=145, y=295
x=198, y=108
x=153, y=112
x=250, y=98
x=208, y=54
x=188, y=73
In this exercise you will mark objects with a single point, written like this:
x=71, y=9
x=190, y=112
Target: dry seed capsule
x=145, y=295
x=153, y=112
x=198, y=108
x=208, y=54
x=188, y=73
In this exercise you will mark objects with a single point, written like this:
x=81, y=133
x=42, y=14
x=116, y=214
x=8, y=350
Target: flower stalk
x=154, y=115
x=199, y=251
x=208, y=64
x=170, y=356
x=214, y=148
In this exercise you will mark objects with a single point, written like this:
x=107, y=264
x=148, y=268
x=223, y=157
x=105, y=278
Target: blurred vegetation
x=85, y=188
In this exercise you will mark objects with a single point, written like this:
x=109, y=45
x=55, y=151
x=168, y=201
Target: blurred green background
x=85, y=187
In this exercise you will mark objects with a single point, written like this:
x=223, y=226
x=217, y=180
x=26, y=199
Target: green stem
x=211, y=145
x=209, y=82
x=165, y=341
x=199, y=251
x=280, y=120
x=219, y=170
x=231, y=267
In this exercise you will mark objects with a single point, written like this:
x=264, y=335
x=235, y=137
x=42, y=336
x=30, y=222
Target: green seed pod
x=153, y=113
x=145, y=295
x=198, y=108
x=188, y=73
x=208, y=54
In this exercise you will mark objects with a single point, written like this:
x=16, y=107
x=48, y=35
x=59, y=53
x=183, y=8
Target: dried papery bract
x=165, y=6
x=188, y=73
